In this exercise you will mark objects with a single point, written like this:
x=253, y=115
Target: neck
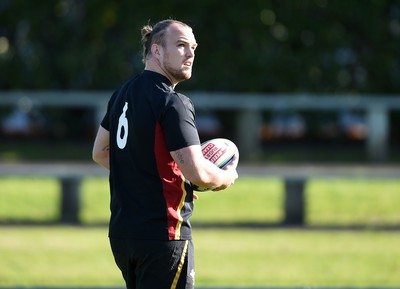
x=156, y=67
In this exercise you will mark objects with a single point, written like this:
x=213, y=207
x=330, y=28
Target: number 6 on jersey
x=122, y=135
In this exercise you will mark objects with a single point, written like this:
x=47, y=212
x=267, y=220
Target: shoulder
x=177, y=103
x=179, y=99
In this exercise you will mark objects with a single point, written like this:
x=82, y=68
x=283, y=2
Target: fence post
x=248, y=126
x=294, y=201
x=70, y=200
x=378, y=132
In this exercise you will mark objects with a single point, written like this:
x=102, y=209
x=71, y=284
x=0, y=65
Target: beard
x=180, y=74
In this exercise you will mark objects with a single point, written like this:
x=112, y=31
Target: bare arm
x=101, y=148
x=202, y=172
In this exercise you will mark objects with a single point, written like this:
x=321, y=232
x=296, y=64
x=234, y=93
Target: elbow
x=101, y=159
x=95, y=157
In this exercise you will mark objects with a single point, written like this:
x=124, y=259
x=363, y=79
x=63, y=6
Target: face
x=177, y=57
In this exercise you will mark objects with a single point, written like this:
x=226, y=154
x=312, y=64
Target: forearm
x=103, y=159
x=202, y=172
x=210, y=176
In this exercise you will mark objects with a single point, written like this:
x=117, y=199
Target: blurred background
x=308, y=48
x=303, y=83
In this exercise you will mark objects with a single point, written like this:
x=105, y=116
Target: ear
x=155, y=50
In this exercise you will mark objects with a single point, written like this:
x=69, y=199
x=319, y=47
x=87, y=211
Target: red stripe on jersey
x=173, y=184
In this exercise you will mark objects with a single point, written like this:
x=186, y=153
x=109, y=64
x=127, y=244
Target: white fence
x=249, y=109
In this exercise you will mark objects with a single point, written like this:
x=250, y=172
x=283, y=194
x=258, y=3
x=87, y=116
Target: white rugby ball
x=219, y=151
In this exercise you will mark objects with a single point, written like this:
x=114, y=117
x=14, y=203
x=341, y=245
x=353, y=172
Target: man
x=149, y=142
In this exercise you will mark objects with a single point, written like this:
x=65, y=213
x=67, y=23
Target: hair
x=156, y=34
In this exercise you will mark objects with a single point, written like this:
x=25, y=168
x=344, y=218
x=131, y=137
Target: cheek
x=172, y=59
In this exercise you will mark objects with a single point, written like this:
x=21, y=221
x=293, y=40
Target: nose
x=190, y=52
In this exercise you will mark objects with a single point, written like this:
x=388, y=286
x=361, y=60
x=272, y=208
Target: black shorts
x=147, y=264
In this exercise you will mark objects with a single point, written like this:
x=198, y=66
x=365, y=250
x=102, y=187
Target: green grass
x=72, y=256
x=55, y=256
x=29, y=199
x=358, y=202
x=250, y=200
x=293, y=258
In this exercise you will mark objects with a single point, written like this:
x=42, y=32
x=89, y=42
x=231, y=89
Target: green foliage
x=263, y=46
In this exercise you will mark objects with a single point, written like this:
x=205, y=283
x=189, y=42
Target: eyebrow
x=187, y=42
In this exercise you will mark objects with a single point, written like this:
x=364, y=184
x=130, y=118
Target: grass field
x=250, y=200
x=70, y=256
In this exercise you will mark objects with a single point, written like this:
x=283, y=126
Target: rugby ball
x=220, y=152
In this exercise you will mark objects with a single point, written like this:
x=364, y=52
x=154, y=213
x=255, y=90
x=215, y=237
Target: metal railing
x=249, y=107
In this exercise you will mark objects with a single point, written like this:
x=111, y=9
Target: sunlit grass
x=250, y=200
x=72, y=256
